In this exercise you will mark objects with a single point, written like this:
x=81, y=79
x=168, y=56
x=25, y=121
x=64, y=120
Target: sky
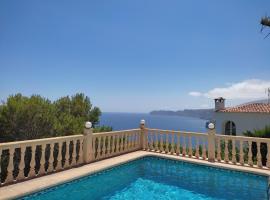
x=135, y=56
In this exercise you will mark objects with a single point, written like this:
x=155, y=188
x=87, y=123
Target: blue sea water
x=156, y=178
x=123, y=121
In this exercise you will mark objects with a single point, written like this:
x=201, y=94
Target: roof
x=249, y=108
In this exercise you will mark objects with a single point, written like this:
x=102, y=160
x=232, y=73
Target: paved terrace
x=93, y=152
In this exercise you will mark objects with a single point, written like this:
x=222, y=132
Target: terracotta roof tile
x=249, y=108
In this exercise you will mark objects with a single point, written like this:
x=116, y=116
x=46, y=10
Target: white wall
x=243, y=121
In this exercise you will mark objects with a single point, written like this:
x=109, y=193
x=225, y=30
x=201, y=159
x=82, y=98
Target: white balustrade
x=43, y=156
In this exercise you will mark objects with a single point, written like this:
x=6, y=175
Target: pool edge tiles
x=45, y=182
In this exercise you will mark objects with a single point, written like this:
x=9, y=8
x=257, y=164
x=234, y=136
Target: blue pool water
x=156, y=178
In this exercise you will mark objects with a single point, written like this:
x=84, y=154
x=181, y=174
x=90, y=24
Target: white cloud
x=248, y=89
x=195, y=94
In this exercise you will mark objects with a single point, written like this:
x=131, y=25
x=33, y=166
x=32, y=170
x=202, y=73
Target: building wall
x=243, y=121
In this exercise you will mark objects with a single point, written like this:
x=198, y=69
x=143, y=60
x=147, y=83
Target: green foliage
x=262, y=133
x=102, y=129
x=23, y=118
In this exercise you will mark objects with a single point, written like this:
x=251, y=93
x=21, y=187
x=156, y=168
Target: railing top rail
x=244, y=138
x=115, y=132
x=39, y=141
x=181, y=132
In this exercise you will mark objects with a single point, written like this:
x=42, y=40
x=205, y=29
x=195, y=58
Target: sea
x=124, y=121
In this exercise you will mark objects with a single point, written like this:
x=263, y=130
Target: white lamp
x=211, y=126
x=88, y=125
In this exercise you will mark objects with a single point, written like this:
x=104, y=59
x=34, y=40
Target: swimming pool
x=158, y=178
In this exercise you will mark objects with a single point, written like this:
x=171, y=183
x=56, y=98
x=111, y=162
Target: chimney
x=219, y=104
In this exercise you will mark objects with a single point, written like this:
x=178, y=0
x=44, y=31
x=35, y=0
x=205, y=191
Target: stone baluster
x=197, y=153
x=50, y=161
x=117, y=142
x=233, y=152
x=167, y=142
x=113, y=144
x=226, y=159
x=128, y=141
x=138, y=140
x=149, y=141
x=259, y=156
x=241, y=153
x=74, y=155
x=10, y=167
x=104, y=147
x=32, y=172
x=178, y=144
x=120, y=142
x=161, y=142
x=80, y=152
x=184, y=146
x=42, y=169
x=109, y=146
x=99, y=147
x=203, y=149
x=21, y=165
x=59, y=156
x=250, y=162
x=189, y=147
x=268, y=155
x=123, y=148
x=218, y=150
x=134, y=140
x=173, y=143
x=67, y=155
x=156, y=141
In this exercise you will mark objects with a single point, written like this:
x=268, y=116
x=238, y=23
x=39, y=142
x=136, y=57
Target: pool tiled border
x=38, y=184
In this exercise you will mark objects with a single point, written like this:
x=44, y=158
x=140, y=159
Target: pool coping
x=38, y=184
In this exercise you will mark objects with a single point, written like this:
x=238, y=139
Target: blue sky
x=135, y=56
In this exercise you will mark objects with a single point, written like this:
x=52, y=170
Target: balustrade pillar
x=87, y=143
x=142, y=127
x=211, y=142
